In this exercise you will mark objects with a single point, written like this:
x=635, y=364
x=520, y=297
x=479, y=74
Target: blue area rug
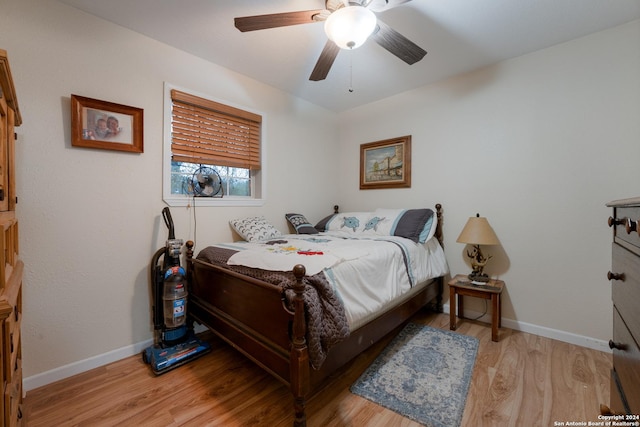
x=423, y=374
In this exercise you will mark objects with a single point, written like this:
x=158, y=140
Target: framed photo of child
x=106, y=125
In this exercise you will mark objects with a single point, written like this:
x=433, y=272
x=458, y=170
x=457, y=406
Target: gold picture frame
x=106, y=125
x=386, y=163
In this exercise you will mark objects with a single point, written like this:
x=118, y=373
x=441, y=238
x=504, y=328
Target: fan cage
x=204, y=182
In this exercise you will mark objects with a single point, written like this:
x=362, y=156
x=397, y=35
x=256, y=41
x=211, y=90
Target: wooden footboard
x=236, y=307
x=251, y=316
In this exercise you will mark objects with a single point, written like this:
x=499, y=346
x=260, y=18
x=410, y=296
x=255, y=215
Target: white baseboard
x=542, y=331
x=57, y=374
x=42, y=379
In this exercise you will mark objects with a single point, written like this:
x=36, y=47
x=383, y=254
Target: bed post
x=437, y=306
x=299, y=357
x=188, y=264
x=439, y=235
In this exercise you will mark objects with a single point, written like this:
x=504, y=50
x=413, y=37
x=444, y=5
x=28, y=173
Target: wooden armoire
x=11, y=267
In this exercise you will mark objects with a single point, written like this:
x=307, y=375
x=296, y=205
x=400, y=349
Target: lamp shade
x=349, y=27
x=477, y=231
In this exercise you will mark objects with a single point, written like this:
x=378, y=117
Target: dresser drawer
x=626, y=360
x=626, y=230
x=617, y=402
x=626, y=290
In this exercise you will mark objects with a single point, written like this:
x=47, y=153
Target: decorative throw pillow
x=418, y=225
x=254, y=229
x=300, y=223
x=415, y=224
x=322, y=225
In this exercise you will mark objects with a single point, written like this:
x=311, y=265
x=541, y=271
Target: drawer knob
x=617, y=345
x=615, y=276
x=615, y=221
x=630, y=226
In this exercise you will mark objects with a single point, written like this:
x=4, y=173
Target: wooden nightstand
x=461, y=285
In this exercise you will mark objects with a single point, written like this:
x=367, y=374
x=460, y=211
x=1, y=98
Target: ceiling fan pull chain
x=351, y=71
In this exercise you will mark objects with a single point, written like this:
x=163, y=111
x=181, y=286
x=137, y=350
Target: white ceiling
x=459, y=36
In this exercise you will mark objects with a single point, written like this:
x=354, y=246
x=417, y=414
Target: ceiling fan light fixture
x=349, y=27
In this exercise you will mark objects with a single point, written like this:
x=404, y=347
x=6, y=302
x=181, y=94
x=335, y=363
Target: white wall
x=90, y=219
x=538, y=145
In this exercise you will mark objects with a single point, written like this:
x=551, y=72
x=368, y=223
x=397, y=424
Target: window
x=202, y=134
x=235, y=181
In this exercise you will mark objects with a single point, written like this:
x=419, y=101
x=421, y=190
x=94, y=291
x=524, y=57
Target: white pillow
x=254, y=229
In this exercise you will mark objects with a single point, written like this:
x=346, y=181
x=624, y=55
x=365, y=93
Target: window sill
x=204, y=201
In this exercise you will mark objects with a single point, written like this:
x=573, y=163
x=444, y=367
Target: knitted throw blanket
x=326, y=319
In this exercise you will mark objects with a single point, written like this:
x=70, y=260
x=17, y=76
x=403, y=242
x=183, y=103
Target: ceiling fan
x=357, y=14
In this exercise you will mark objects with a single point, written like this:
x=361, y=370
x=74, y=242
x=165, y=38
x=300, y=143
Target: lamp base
x=475, y=277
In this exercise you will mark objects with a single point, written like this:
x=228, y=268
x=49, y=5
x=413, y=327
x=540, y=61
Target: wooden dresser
x=11, y=267
x=625, y=291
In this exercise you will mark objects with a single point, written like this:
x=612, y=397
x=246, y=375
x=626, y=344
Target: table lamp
x=476, y=232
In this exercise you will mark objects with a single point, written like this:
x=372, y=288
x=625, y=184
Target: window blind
x=204, y=131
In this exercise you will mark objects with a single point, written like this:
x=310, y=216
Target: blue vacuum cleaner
x=175, y=343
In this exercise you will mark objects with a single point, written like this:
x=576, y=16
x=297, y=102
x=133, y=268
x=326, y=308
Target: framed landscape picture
x=386, y=164
x=105, y=125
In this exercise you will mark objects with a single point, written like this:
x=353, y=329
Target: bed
x=292, y=323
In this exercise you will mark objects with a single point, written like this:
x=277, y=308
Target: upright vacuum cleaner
x=175, y=342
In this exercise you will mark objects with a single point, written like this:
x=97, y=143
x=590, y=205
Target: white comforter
x=368, y=274
x=367, y=285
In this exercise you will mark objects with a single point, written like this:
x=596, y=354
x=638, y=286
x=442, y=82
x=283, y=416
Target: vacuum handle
x=166, y=214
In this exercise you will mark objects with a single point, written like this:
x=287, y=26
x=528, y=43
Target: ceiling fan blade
x=328, y=55
x=333, y=5
x=382, y=5
x=274, y=20
x=398, y=44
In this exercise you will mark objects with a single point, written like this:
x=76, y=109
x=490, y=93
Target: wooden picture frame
x=386, y=164
x=106, y=125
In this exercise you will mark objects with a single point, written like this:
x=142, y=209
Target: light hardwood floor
x=522, y=380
